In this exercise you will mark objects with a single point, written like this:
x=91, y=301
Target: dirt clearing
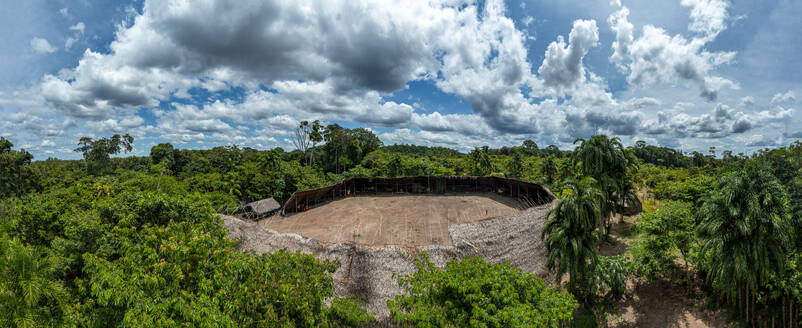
x=401, y=220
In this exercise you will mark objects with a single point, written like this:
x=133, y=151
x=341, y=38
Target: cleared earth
x=401, y=220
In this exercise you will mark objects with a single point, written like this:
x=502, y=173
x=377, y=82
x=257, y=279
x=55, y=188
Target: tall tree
x=315, y=136
x=515, y=165
x=745, y=232
x=569, y=232
x=302, y=137
x=530, y=147
x=16, y=176
x=481, y=161
x=97, y=152
x=605, y=160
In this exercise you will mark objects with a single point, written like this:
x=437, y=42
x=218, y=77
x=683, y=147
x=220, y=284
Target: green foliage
x=475, y=293
x=666, y=233
x=662, y=156
x=606, y=283
x=132, y=255
x=16, y=174
x=97, y=152
x=345, y=147
x=515, y=165
x=687, y=189
x=30, y=294
x=481, y=164
x=609, y=276
x=605, y=160
x=569, y=233
x=744, y=233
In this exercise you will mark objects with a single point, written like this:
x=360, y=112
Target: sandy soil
x=403, y=220
x=656, y=304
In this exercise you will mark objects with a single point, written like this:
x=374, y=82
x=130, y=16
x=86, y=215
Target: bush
x=475, y=293
x=665, y=233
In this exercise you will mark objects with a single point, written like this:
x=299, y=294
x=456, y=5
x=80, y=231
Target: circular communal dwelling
x=375, y=227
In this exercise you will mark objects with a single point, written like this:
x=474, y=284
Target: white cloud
x=562, y=68
x=782, y=98
x=64, y=12
x=707, y=16
x=263, y=66
x=68, y=44
x=655, y=57
x=624, y=34
x=42, y=46
x=79, y=27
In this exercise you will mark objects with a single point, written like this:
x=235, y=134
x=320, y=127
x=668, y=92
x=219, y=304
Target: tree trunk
x=747, y=305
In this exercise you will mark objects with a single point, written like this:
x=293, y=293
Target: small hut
x=260, y=208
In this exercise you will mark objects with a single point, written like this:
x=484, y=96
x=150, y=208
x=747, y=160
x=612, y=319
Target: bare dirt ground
x=402, y=220
x=656, y=304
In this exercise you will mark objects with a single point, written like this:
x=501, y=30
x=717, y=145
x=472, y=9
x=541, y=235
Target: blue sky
x=688, y=74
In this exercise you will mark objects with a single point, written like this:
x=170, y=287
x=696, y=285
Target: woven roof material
x=262, y=207
x=531, y=193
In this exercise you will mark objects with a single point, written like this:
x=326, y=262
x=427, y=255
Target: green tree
x=475, y=293
x=666, y=231
x=745, y=233
x=315, y=136
x=30, y=294
x=396, y=166
x=605, y=160
x=530, y=147
x=515, y=165
x=97, y=152
x=569, y=233
x=16, y=176
x=549, y=170
x=481, y=164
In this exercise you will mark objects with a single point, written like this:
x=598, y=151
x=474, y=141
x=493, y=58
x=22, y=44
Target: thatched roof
x=261, y=207
x=530, y=193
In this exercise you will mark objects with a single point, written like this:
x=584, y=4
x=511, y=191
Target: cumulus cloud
x=42, y=46
x=226, y=71
x=721, y=121
x=707, y=16
x=562, y=67
x=624, y=31
x=783, y=98
x=302, y=49
x=656, y=57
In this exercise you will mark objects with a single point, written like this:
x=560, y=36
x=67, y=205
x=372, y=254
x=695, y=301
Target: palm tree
x=482, y=165
x=605, y=160
x=744, y=233
x=30, y=295
x=569, y=231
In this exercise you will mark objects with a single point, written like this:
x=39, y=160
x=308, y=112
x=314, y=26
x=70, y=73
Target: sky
x=686, y=74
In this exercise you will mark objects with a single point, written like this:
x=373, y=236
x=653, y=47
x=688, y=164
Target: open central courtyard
x=401, y=220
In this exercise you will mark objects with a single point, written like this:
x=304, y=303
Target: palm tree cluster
x=605, y=160
x=574, y=226
x=569, y=231
x=745, y=235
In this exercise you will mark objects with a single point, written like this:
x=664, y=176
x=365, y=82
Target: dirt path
x=655, y=304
